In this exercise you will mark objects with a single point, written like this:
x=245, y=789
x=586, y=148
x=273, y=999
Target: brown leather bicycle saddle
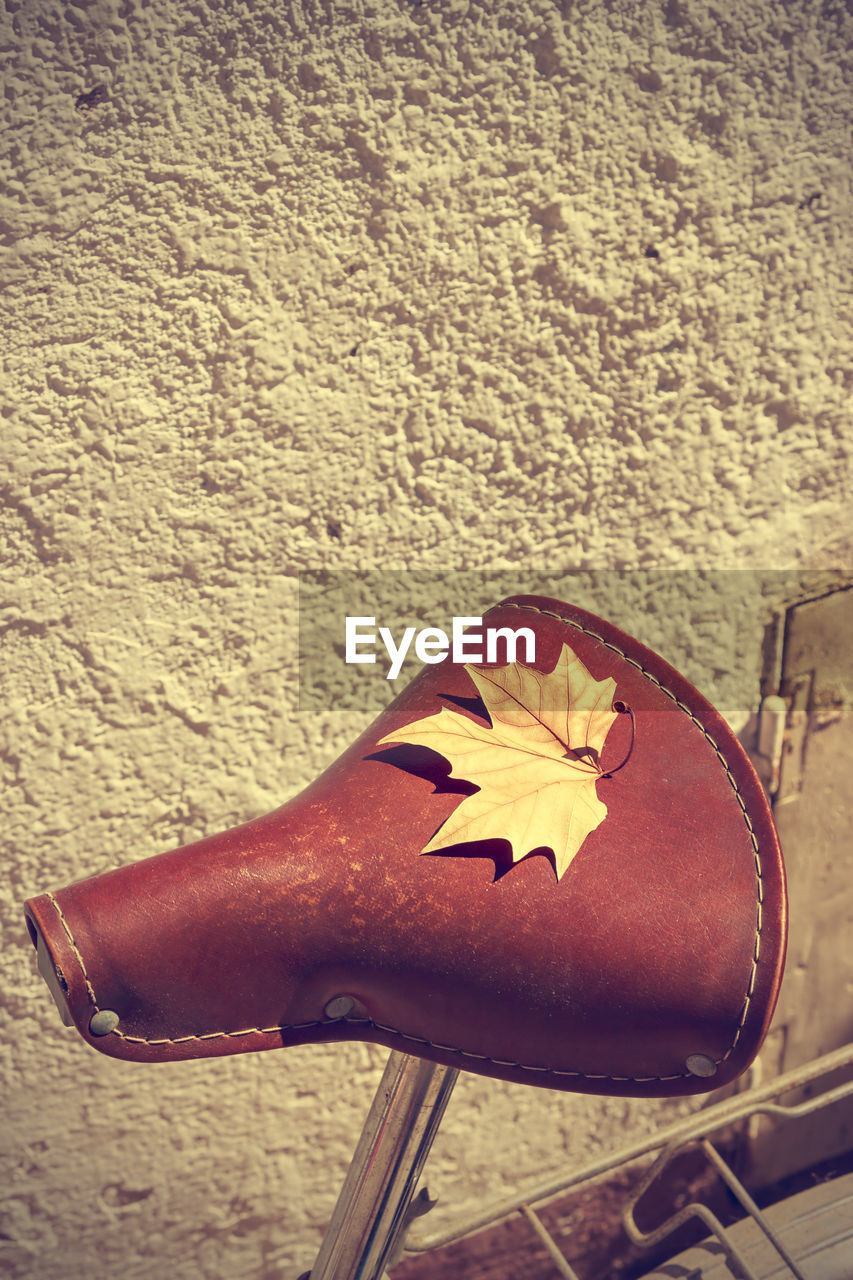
x=638, y=952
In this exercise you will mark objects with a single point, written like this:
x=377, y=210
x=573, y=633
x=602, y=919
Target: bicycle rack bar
x=398, y=1133
x=691, y=1128
x=559, y=1259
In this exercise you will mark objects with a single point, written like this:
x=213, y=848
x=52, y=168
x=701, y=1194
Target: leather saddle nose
x=561, y=872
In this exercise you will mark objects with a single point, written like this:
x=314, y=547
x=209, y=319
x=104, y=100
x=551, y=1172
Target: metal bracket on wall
x=792, y=760
x=806, y=667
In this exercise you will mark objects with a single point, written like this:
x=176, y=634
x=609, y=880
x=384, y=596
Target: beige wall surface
x=479, y=285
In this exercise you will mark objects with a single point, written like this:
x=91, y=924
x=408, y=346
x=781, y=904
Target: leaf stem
x=623, y=709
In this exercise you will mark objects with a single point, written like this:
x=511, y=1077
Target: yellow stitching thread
x=400, y=1035
x=732, y=782
x=70, y=937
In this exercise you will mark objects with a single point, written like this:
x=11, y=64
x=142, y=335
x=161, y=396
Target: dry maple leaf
x=536, y=766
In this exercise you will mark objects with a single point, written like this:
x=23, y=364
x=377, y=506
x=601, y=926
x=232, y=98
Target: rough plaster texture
x=365, y=286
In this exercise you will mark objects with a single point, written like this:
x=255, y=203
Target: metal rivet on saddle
x=699, y=1064
x=339, y=1007
x=103, y=1022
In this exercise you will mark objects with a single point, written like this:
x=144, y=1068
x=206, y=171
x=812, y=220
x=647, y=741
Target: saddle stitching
x=464, y=1053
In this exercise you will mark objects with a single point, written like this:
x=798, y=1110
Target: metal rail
x=692, y=1129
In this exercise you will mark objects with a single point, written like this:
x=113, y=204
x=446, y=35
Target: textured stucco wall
x=365, y=286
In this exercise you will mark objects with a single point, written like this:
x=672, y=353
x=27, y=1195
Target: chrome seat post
x=371, y=1213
